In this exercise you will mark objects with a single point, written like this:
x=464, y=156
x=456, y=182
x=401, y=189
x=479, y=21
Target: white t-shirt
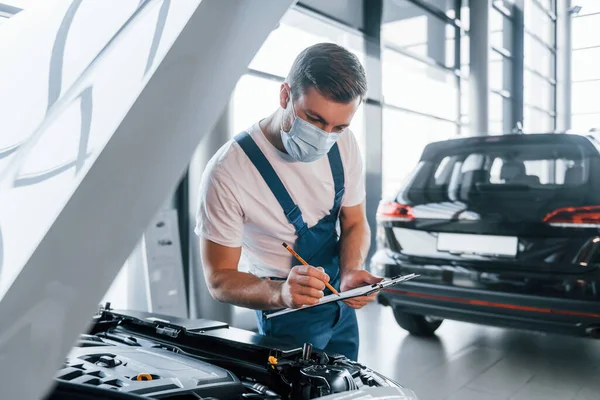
x=237, y=209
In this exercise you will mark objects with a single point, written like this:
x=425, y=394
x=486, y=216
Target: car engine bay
x=163, y=357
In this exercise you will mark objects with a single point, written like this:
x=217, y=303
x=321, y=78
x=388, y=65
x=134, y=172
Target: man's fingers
x=301, y=300
x=354, y=305
x=354, y=302
x=310, y=292
x=318, y=273
x=309, y=281
x=309, y=270
x=360, y=302
x=357, y=301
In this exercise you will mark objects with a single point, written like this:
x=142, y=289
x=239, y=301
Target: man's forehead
x=333, y=112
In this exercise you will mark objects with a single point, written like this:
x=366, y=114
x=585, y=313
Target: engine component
x=152, y=371
x=306, y=351
x=314, y=374
x=322, y=380
x=262, y=391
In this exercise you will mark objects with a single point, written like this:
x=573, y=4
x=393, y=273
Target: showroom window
x=585, y=71
x=430, y=36
x=464, y=69
x=539, y=76
x=423, y=62
x=255, y=97
x=405, y=135
x=500, y=72
x=404, y=76
x=298, y=30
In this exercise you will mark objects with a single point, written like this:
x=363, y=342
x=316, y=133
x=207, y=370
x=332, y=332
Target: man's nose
x=328, y=128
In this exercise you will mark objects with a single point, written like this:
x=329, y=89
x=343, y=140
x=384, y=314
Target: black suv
x=504, y=230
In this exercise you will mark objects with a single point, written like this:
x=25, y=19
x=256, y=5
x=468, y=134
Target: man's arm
x=226, y=284
x=355, y=241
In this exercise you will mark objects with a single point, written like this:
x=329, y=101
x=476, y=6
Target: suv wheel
x=418, y=325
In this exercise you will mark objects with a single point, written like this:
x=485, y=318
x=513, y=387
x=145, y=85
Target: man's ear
x=284, y=95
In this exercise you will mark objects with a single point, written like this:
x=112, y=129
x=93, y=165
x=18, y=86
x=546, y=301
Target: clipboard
x=348, y=294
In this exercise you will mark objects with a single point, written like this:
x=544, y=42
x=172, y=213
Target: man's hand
x=304, y=286
x=357, y=278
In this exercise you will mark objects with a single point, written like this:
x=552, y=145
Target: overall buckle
x=294, y=216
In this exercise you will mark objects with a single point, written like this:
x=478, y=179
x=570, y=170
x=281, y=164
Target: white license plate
x=485, y=245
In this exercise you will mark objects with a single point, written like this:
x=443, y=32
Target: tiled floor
x=472, y=362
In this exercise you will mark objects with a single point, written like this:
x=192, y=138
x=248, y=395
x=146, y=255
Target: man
x=291, y=178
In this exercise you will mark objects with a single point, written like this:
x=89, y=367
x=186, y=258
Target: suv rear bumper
x=556, y=315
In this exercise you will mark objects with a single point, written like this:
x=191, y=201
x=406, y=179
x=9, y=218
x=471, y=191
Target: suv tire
x=418, y=325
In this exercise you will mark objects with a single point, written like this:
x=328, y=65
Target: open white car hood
x=102, y=104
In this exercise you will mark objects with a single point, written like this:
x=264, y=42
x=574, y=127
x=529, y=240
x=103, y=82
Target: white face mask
x=305, y=142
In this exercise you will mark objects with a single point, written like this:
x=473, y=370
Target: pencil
x=288, y=248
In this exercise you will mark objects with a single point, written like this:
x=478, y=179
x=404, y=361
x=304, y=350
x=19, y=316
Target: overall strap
x=337, y=170
x=290, y=209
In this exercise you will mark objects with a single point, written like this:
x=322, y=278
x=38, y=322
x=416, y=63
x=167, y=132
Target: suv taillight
x=578, y=217
x=390, y=210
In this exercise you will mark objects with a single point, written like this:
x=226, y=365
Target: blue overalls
x=331, y=327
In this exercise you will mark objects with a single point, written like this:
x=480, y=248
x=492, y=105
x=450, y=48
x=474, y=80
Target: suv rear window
x=528, y=172
x=528, y=164
x=504, y=166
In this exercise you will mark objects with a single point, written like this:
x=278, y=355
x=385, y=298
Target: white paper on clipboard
x=348, y=294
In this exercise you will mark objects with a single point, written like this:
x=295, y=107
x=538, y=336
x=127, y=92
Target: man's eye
x=311, y=119
x=338, y=129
